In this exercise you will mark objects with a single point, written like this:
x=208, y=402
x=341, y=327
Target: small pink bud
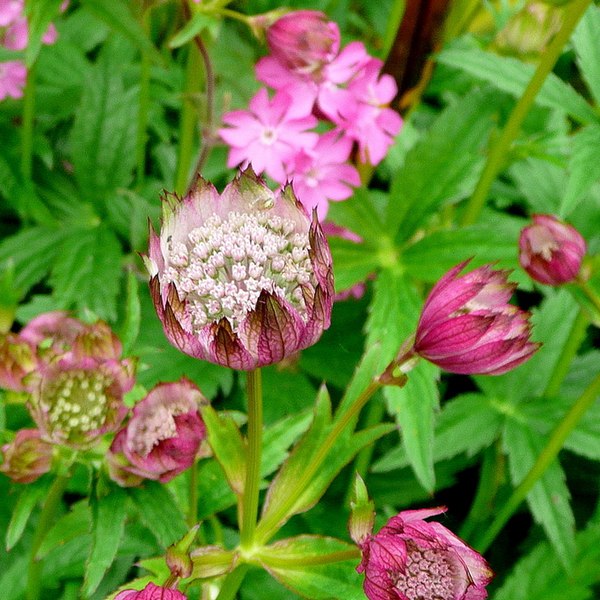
x=178, y=555
x=151, y=592
x=27, y=457
x=17, y=359
x=467, y=325
x=304, y=40
x=242, y=279
x=551, y=251
x=412, y=559
x=163, y=437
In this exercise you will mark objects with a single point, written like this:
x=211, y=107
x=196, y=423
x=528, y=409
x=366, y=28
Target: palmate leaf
x=87, y=271
x=428, y=179
x=549, y=498
x=512, y=76
x=585, y=41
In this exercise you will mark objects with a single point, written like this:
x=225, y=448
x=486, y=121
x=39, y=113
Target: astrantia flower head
x=163, y=437
x=242, y=279
x=27, y=457
x=411, y=559
x=551, y=251
x=304, y=40
x=17, y=359
x=468, y=327
x=77, y=390
x=151, y=592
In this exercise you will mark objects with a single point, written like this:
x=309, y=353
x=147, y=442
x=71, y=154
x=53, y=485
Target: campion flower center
x=224, y=265
x=79, y=402
x=429, y=574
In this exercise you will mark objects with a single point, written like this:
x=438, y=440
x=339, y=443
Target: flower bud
x=17, y=359
x=362, y=513
x=243, y=279
x=411, y=559
x=163, y=437
x=304, y=40
x=27, y=457
x=151, y=592
x=467, y=325
x=551, y=251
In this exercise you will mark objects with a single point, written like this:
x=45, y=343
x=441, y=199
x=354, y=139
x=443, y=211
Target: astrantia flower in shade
x=365, y=116
x=322, y=174
x=468, y=327
x=551, y=251
x=151, y=592
x=77, y=395
x=17, y=359
x=411, y=559
x=163, y=437
x=304, y=40
x=27, y=457
x=243, y=279
x=268, y=134
x=13, y=75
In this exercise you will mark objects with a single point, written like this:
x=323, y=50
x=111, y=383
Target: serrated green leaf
x=585, y=41
x=427, y=179
x=413, y=408
x=228, y=446
x=159, y=512
x=439, y=251
x=75, y=523
x=30, y=495
x=584, y=168
x=103, y=136
x=362, y=214
x=537, y=576
x=131, y=326
x=512, y=76
x=108, y=522
x=31, y=252
x=192, y=28
x=87, y=271
x=352, y=262
x=549, y=498
x=540, y=182
x=467, y=423
x=314, y=580
x=117, y=14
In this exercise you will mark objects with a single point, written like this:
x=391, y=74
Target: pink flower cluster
x=14, y=35
x=314, y=81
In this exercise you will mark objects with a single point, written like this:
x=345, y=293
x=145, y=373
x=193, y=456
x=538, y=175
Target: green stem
x=232, y=583
x=296, y=561
x=268, y=526
x=584, y=286
x=567, y=355
x=544, y=460
x=573, y=12
x=27, y=127
x=47, y=516
x=252, y=485
x=188, y=125
x=192, y=516
x=489, y=480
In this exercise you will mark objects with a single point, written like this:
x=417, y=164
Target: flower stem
x=232, y=583
x=47, y=516
x=567, y=355
x=251, y=487
x=584, y=286
x=192, y=516
x=27, y=127
x=267, y=527
x=573, y=12
x=319, y=559
x=547, y=455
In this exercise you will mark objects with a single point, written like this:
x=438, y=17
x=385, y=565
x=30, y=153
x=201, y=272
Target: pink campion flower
x=551, y=251
x=10, y=11
x=77, y=394
x=268, y=134
x=468, y=327
x=243, y=279
x=13, y=75
x=412, y=559
x=321, y=90
x=365, y=116
x=304, y=40
x=162, y=438
x=151, y=592
x=16, y=35
x=321, y=174
x=27, y=457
